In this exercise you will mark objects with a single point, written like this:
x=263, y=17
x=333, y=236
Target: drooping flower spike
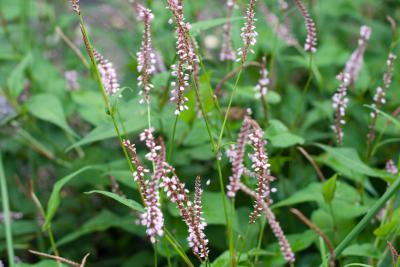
x=281, y=30
x=152, y=218
x=261, y=89
x=107, y=73
x=310, y=44
x=191, y=212
x=227, y=52
x=249, y=34
x=146, y=57
x=187, y=58
x=379, y=97
x=339, y=103
x=353, y=65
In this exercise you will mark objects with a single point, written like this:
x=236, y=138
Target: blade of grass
x=7, y=216
x=367, y=218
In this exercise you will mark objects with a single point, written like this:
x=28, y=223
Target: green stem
x=172, y=140
x=178, y=248
x=229, y=107
x=7, y=215
x=367, y=218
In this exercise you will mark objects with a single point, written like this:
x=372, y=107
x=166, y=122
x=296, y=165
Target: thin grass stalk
x=172, y=139
x=367, y=218
x=7, y=215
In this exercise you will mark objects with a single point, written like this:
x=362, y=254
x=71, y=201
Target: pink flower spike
x=249, y=35
x=146, y=57
x=107, y=73
x=310, y=44
x=227, y=52
x=339, y=103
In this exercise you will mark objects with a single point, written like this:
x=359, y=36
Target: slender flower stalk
x=281, y=30
x=146, y=57
x=227, y=52
x=261, y=167
x=152, y=218
x=237, y=159
x=249, y=35
x=310, y=44
x=187, y=58
x=275, y=226
x=191, y=212
x=353, y=65
x=339, y=103
x=261, y=89
x=107, y=73
x=379, y=97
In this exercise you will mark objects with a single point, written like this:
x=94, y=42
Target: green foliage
x=56, y=123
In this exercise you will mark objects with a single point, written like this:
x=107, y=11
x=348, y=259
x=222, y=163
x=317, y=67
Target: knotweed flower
x=275, y=226
x=281, y=30
x=310, y=44
x=261, y=89
x=261, y=167
x=191, y=212
x=75, y=6
x=152, y=218
x=379, y=97
x=107, y=73
x=391, y=168
x=71, y=77
x=339, y=103
x=237, y=159
x=387, y=78
x=353, y=65
x=187, y=58
x=146, y=57
x=227, y=52
x=249, y=35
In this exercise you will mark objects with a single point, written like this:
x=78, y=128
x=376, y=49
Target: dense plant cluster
x=199, y=133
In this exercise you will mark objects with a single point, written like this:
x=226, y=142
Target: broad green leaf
x=54, y=200
x=198, y=134
x=208, y=24
x=101, y=222
x=213, y=208
x=349, y=158
x=16, y=78
x=280, y=136
x=127, y=202
x=358, y=265
x=49, y=108
x=329, y=189
x=364, y=250
x=384, y=230
x=305, y=195
x=107, y=130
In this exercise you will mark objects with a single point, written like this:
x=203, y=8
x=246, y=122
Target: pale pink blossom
x=310, y=44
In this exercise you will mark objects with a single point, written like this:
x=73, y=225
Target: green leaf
x=213, y=208
x=358, y=265
x=49, y=108
x=101, y=222
x=305, y=195
x=280, y=136
x=208, y=24
x=127, y=202
x=385, y=229
x=364, y=250
x=16, y=78
x=329, y=188
x=349, y=158
x=54, y=200
x=107, y=130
